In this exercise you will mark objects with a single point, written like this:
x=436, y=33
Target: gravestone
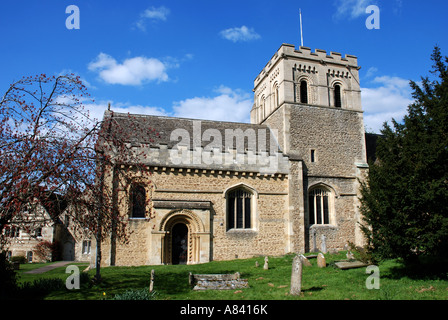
x=313, y=233
x=296, y=276
x=350, y=255
x=349, y=264
x=151, y=282
x=323, y=244
x=305, y=261
x=266, y=264
x=321, y=263
x=217, y=281
x=257, y=264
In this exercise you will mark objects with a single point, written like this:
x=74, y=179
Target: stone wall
x=328, y=141
x=267, y=235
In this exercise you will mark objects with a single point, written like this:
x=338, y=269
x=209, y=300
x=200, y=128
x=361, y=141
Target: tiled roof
x=161, y=130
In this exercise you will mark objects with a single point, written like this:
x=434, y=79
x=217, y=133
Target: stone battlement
x=321, y=56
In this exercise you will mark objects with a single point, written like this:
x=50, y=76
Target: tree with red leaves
x=50, y=148
x=46, y=142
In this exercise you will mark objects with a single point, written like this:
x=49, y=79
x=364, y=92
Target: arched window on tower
x=337, y=96
x=319, y=206
x=138, y=202
x=303, y=91
x=275, y=98
x=263, y=107
x=239, y=209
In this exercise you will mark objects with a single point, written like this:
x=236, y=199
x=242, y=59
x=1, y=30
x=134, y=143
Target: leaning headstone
x=266, y=264
x=305, y=261
x=313, y=233
x=296, y=276
x=321, y=263
x=151, y=283
x=323, y=244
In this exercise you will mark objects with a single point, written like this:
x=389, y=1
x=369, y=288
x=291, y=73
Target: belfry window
x=303, y=91
x=275, y=98
x=337, y=96
x=239, y=209
x=138, y=203
x=318, y=203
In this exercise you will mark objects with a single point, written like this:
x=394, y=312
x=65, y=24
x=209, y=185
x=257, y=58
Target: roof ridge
x=181, y=118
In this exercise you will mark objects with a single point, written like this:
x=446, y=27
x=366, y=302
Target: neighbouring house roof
x=54, y=203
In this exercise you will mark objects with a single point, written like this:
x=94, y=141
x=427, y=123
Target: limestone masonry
x=224, y=190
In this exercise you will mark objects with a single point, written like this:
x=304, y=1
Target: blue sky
x=198, y=59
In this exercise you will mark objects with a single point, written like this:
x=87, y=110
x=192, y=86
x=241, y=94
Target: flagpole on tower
x=301, y=32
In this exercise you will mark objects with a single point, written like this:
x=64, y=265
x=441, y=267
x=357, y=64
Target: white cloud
x=152, y=14
x=240, y=34
x=371, y=71
x=351, y=8
x=133, y=71
x=229, y=105
x=389, y=100
x=156, y=13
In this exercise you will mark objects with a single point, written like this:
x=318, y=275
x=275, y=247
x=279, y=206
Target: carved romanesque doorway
x=179, y=244
x=183, y=239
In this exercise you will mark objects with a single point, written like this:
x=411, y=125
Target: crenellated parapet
x=300, y=75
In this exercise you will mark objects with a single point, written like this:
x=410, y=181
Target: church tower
x=313, y=101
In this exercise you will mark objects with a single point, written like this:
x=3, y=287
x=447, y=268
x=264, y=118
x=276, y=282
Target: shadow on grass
x=313, y=289
x=425, y=268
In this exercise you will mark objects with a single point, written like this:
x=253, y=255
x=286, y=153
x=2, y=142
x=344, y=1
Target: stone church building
x=225, y=190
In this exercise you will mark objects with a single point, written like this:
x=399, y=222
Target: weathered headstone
x=350, y=255
x=151, y=282
x=217, y=281
x=321, y=263
x=313, y=233
x=257, y=264
x=323, y=244
x=305, y=261
x=296, y=276
x=349, y=264
x=266, y=264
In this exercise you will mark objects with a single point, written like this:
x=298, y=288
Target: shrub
x=7, y=277
x=48, y=251
x=363, y=254
x=136, y=294
x=85, y=280
x=40, y=287
x=19, y=259
x=43, y=251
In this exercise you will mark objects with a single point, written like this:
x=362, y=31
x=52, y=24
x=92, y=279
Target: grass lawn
x=330, y=283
